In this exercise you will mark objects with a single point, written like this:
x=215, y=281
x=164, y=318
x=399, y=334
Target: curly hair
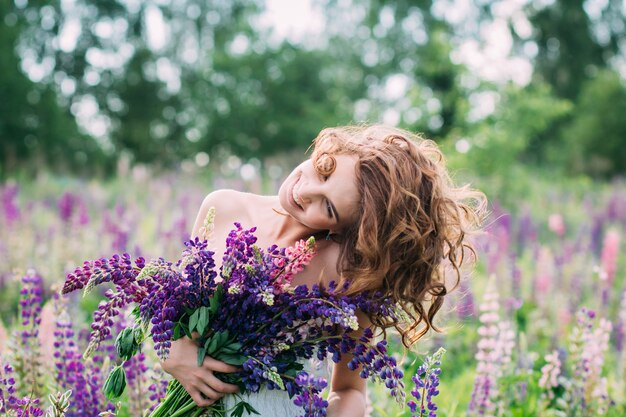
x=413, y=225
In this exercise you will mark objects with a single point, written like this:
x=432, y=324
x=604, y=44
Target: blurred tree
x=403, y=53
x=596, y=136
x=251, y=96
x=500, y=140
x=35, y=130
x=575, y=39
x=142, y=126
x=274, y=101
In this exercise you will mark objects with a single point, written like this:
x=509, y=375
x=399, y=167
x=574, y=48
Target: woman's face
x=319, y=202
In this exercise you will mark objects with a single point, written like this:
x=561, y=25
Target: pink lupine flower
x=46, y=332
x=294, y=261
x=610, y=251
x=550, y=373
x=556, y=224
x=544, y=274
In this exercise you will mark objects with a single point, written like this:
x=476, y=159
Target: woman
x=386, y=216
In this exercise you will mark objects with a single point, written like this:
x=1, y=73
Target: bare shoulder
x=227, y=203
x=223, y=198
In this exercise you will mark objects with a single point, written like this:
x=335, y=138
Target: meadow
x=536, y=329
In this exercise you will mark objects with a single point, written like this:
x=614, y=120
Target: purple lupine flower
x=526, y=231
x=157, y=388
x=118, y=230
x=67, y=206
x=83, y=213
x=588, y=346
x=9, y=401
x=83, y=378
x=616, y=206
x=620, y=328
x=10, y=209
x=28, y=353
x=309, y=398
x=597, y=229
x=426, y=380
x=137, y=381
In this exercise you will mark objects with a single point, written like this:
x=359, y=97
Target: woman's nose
x=309, y=192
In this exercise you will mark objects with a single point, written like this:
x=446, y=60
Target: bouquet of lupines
x=246, y=314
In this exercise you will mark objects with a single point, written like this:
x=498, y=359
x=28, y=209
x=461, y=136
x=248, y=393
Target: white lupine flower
x=267, y=297
x=351, y=321
x=234, y=289
x=281, y=346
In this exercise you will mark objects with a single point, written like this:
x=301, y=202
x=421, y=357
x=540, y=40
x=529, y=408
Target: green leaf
x=231, y=359
x=203, y=319
x=217, y=298
x=125, y=344
x=115, y=383
x=211, y=344
x=293, y=369
x=193, y=320
x=222, y=338
x=235, y=346
x=176, y=332
x=242, y=407
x=238, y=410
x=201, y=355
x=250, y=409
x=186, y=330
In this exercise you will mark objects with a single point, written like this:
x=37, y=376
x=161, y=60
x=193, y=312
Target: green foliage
x=35, y=129
x=502, y=140
x=221, y=84
x=566, y=56
x=596, y=135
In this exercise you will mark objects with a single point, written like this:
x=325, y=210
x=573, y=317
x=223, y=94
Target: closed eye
x=332, y=211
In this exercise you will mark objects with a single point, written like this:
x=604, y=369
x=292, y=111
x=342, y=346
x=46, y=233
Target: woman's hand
x=199, y=381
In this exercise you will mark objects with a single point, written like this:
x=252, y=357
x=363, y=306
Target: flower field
x=538, y=329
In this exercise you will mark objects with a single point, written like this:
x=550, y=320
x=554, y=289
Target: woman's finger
x=219, y=366
x=200, y=399
x=209, y=393
x=220, y=386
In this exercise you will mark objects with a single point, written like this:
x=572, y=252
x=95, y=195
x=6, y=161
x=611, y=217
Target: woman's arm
x=347, y=392
x=347, y=397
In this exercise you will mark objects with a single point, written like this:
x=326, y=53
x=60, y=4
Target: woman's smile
x=295, y=198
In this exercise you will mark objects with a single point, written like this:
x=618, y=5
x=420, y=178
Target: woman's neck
x=277, y=226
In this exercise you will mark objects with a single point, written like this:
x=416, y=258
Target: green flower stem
x=183, y=410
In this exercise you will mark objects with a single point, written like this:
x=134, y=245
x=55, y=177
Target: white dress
x=276, y=403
